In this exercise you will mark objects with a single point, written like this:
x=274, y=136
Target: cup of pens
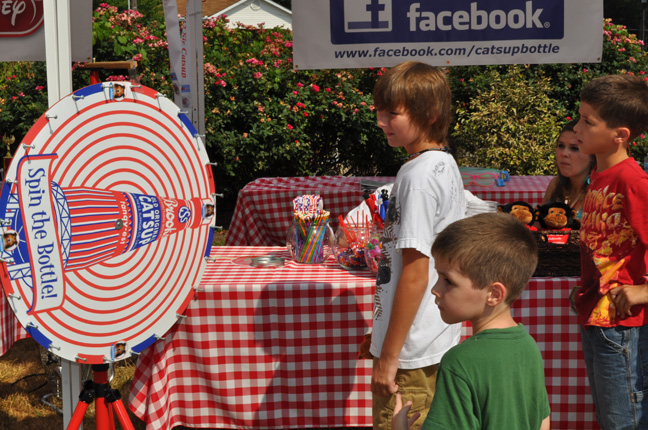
x=310, y=238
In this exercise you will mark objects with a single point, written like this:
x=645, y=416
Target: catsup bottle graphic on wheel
x=50, y=230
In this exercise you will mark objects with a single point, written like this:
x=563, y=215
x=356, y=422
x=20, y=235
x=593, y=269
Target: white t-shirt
x=427, y=196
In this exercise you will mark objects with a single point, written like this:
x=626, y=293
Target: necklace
x=444, y=149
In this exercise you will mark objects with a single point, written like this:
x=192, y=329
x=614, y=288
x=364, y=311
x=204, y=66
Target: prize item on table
x=310, y=238
x=555, y=216
x=377, y=203
x=558, y=241
x=475, y=205
x=520, y=210
x=484, y=177
x=373, y=250
x=350, y=240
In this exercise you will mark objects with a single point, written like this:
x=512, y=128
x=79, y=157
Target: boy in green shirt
x=494, y=379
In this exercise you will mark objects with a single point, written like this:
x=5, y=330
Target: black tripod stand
x=107, y=402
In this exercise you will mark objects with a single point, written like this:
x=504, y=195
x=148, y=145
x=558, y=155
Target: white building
x=249, y=12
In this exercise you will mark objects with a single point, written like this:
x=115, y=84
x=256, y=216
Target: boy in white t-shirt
x=409, y=337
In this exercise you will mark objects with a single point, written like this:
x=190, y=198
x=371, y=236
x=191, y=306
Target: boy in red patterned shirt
x=612, y=302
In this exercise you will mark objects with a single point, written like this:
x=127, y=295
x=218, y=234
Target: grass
x=23, y=383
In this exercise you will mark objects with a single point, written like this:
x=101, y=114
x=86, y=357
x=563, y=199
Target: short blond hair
x=488, y=248
x=423, y=91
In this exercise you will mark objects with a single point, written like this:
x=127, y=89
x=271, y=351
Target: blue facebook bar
x=389, y=21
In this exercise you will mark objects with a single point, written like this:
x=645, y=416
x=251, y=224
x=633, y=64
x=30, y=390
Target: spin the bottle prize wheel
x=105, y=218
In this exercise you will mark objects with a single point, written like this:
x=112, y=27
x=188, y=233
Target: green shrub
x=512, y=125
x=266, y=119
x=23, y=99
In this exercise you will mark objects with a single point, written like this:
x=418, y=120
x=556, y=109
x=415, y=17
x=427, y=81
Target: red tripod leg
x=111, y=414
x=122, y=415
x=85, y=398
x=114, y=399
x=77, y=416
x=102, y=388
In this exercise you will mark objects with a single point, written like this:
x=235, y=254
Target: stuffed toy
x=556, y=216
x=520, y=210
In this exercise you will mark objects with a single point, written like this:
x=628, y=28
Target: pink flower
x=305, y=113
x=288, y=45
x=39, y=88
x=301, y=105
x=257, y=75
x=569, y=118
x=585, y=70
x=295, y=92
x=328, y=90
x=315, y=88
x=137, y=57
x=254, y=62
x=299, y=84
x=138, y=40
x=289, y=127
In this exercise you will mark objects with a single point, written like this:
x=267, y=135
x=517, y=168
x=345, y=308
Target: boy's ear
x=623, y=134
x=496, y=294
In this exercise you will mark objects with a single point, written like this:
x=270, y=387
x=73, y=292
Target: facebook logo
x=367, y=15
x=389, y=21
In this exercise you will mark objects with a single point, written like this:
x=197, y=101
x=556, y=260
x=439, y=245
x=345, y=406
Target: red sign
x=19, y=18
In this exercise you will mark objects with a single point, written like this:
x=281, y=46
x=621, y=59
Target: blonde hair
x=488, y=248
x=423, y=91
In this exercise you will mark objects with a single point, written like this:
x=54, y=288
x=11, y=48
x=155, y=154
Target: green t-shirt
x=493, y=380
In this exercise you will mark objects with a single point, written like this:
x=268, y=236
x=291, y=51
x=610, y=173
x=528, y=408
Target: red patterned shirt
x=613, y=242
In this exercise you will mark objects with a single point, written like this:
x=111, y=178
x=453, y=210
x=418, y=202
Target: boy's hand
x=572, y=297
x=627, y=296
x=383, y=379
x=399, y=419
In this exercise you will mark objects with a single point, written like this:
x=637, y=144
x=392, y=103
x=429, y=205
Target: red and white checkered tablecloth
x=276, y=348
x=10, y=328
x=544, y=311
x=264, y=206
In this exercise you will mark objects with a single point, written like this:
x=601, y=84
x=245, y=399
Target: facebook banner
x=375, y=33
